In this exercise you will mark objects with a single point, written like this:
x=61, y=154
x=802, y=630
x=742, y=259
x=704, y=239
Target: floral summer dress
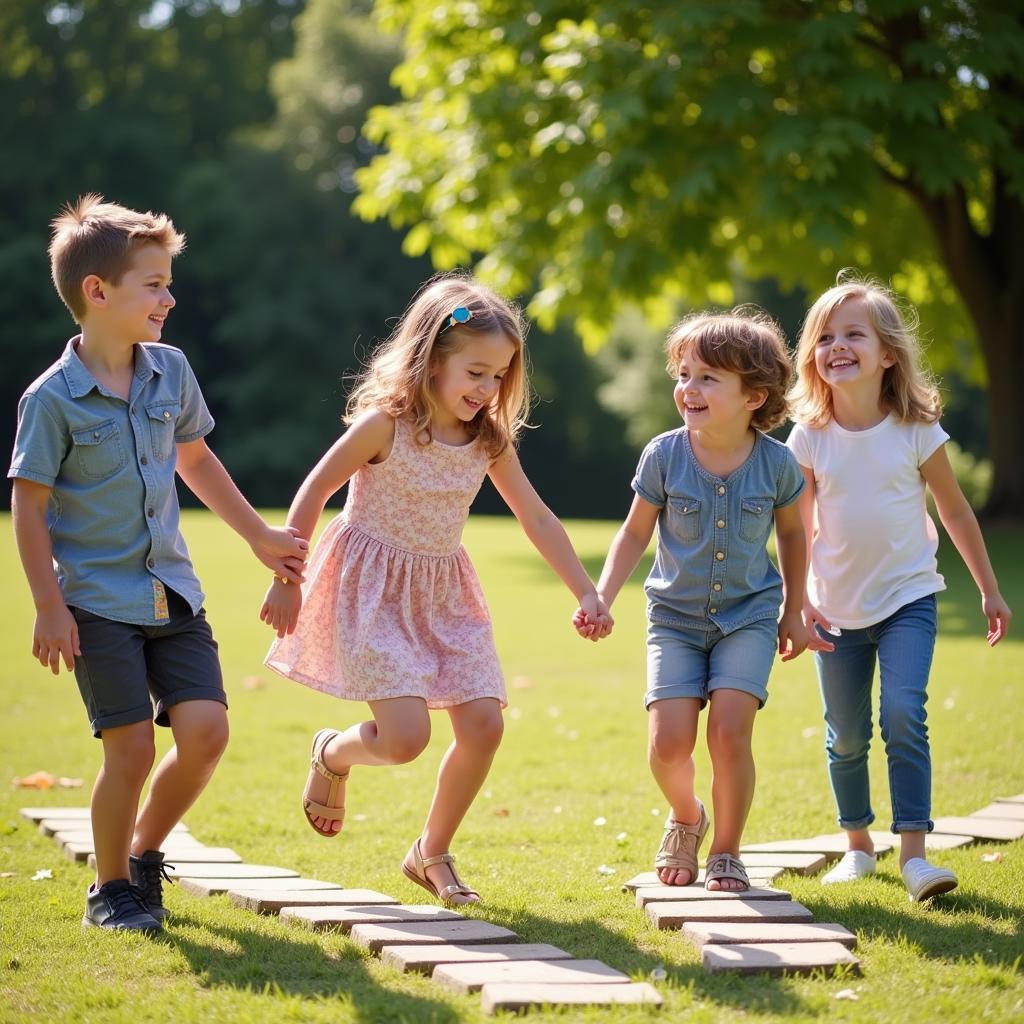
x=392, y=606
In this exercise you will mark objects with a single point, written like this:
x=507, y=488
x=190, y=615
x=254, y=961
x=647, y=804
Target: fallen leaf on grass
x=992, y=858
x=42, y=874
x=254, y=683
x=600, y=821
x=659, y=973
x=6, y=874
x=605, y=870
x=44, y=780
x=847, y=993
x=521, y=683
x=501, y=812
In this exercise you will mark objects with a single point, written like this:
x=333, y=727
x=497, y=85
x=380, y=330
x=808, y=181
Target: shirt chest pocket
x=163, y=417
x=755, y=518
x=684, y=517
x=99, y=450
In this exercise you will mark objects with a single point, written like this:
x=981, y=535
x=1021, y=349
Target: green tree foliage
x=600, y=153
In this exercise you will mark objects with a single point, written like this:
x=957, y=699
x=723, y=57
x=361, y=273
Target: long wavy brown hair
x=908, y=390
x=399, y=376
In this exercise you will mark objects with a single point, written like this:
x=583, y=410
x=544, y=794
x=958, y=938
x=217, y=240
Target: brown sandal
x=680, y=843
x=418, y=874
x=310, y=807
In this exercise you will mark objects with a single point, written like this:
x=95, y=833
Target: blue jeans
x=903, y=645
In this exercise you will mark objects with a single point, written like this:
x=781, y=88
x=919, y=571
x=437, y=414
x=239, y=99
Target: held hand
x=794, y=636
x=55, y=637
x=281, y=607
x=813, y=619
x=593, y=620
x=998, y=613
x=283, y=551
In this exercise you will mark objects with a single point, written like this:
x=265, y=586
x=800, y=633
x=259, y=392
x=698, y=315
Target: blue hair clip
x=459, y=315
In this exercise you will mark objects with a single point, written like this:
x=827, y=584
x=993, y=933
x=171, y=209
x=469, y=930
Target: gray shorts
x=693, y=663
x=129, y=673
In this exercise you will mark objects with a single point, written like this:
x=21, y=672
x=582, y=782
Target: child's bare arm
x=795, y=636
x=278, y=548
x=55, y=634
x=962, y=526
x=811, y=616
x=627, y=548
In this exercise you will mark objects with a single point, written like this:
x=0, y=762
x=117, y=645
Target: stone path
x=761, y=930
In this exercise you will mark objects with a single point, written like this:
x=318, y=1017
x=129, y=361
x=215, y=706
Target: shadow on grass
x=295, y=964
x=949, y=930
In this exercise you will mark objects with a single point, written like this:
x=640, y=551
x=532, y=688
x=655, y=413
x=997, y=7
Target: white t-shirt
x=874, y=543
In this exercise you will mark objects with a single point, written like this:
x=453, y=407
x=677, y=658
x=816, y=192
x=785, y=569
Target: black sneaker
x=118, y=904
x=147, y=875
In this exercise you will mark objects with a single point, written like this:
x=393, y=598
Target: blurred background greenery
x=498, y=129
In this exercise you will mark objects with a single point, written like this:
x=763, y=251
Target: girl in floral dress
x=392, y=613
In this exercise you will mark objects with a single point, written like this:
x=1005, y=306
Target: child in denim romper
x=714, y=489
x=868, y=438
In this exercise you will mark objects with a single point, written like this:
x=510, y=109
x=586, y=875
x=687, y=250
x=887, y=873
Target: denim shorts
x=694, y=663
x=130, y=673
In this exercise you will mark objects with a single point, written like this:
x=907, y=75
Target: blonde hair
x=92, y=236
x=908, y=390
x=398, y=379
x=747, y=342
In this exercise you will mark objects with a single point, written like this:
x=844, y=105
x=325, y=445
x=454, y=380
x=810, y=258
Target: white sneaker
x=854, y=864
x=925, y=880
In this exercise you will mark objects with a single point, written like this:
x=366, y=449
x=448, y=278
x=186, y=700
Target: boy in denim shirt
x=714, y=490
x=100, y=436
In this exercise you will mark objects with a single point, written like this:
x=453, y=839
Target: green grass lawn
x=573, y=753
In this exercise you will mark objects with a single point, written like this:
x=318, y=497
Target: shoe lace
x=153, y=876
x=126, y=902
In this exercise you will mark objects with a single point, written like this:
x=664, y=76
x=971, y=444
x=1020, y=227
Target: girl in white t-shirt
x=869, y=441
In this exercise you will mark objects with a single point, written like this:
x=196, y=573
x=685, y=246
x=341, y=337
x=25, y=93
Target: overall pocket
x=684, y=517
x=163, y=416
x=755, y=518
x=99, y=449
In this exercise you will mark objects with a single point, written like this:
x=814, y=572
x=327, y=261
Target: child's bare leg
x=860, y=839
x=730, y=726
x=911, y=846
x=399, y=732
x=128, y=753
x=478, y=726
x=672, y=734
x=200, y=729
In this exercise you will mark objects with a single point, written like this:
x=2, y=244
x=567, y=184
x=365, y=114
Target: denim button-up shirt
x=113, y=510
x=711, y=567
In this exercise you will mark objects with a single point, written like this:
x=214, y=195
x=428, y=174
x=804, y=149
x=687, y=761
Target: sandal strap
x=317, y=760
x=680, y=843
x=316, y=810
x=725, y=865
x=456, y=890
x=441, y=858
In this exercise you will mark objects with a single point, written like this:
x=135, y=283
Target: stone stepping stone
x=758, y=875
x=1012, y=812
x=425, y=958
x=728, y=933
x=49, y=826
x=272, y=901
x=177, y=840
x=466, y=978
x=833, y=845
x=777, y=958
x=674, y=893
x=797, y=863
x=38, y=813
x=376, y=936
x=675, y=915
x=346, y=918
x=1018, y=799
x=982, y=828
x=512, y=996
x=198, y=855
x=235, y=871
x=200, y=886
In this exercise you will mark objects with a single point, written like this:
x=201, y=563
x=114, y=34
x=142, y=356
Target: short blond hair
x=92, y=236
x=745, y=341
x=908, y=391
x=398, y=377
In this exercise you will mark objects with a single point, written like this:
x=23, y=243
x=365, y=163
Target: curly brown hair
x=745, y=341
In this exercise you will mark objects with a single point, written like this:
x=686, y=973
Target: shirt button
x=167, y=415
x=713, y=610
x=150, y=512
x=721, y=490
x=95, y=435
x=720, y=524
x=144, y=460
x=150, y=562
x=717, y=586
x=719, y=555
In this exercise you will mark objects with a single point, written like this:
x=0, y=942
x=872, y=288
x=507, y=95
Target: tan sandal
x=725, y=865
x=418, y=874
x=680, y=843
x=310, y=807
